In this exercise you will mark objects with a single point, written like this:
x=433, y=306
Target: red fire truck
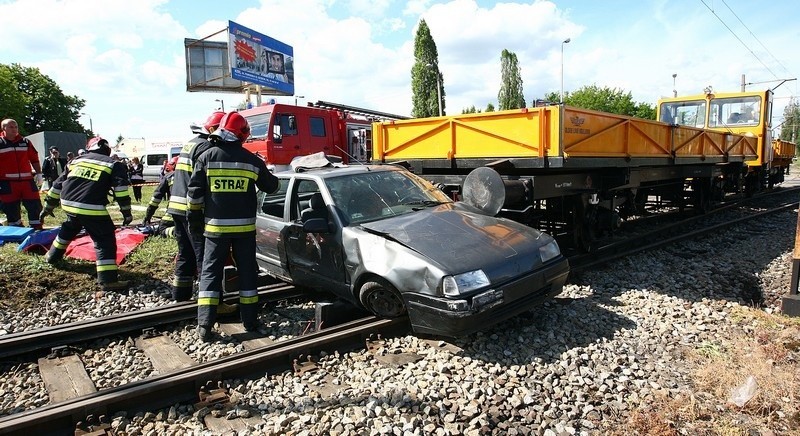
x=280, y=132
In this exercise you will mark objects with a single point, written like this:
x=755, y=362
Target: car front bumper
x=460, y=317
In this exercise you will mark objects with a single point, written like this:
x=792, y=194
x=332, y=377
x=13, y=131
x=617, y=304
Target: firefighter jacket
x=17, y=158
x=178, y=205
x=162, y=191
x=84, y=187
x=222, y=189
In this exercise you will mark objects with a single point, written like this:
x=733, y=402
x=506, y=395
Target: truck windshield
x=735, y=111
x=259, y=124
x=685, y=113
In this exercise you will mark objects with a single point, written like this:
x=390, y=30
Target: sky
x=126, y=58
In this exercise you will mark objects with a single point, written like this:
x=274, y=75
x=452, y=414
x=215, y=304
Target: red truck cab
x=280, y=132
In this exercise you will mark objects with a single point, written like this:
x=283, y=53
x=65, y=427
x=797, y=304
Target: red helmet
x=98, y=145
x=170, y=165
x=213, y=121
x=236, y=124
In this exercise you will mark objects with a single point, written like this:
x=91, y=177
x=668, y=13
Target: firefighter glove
x=196, y=224
x=45, y=212
x=38, y=179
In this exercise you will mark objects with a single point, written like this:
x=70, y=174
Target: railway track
x=727, y=215
x=42, y=340
x=183, y=384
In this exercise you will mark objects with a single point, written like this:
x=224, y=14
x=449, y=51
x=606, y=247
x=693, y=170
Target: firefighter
x=189, y=260
x=222, y=203
x=83, y=191
x=162, y=191
x=17, y=182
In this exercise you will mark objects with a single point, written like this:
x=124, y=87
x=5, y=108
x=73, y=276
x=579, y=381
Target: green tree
x=12, y=101
x=427, y=82
x=510, y=95
x=489, y=107
x=119, y=139
x=471, y=110
x=615, y=101
x=46, y=106
x=790, y=129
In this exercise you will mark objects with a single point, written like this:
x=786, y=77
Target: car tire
x=382, y=299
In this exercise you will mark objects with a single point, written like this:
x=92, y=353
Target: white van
x=153, y=163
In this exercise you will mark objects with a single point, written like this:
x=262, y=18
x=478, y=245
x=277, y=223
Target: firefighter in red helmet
x=82, y=190
x=190, y=245
x=222, y=204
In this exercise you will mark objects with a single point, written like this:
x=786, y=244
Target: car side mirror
x=316, y=225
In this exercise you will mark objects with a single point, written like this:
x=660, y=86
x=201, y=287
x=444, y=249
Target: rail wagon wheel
x=382, y=299
x=583, y=220
x=701, y=195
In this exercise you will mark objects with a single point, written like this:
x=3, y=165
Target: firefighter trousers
x=189, y=260
x=217, y=251
x=102, y=231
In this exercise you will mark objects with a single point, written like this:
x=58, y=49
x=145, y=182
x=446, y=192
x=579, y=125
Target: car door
x=271, y=222
x=315, y=259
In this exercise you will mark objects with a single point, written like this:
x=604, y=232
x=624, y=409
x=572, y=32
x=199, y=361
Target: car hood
x=459, y=239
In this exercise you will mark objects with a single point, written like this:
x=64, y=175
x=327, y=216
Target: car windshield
x=376, y=195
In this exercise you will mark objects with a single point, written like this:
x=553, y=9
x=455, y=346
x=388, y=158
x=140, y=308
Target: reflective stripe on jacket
x=84, y=187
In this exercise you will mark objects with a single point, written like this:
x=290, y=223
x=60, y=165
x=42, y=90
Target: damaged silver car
x=384, y=239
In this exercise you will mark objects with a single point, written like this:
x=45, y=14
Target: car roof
x=344, y=170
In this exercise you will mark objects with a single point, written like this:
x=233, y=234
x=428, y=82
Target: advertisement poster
x=261, y=60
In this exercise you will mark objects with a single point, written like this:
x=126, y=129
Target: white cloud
x=127, y=58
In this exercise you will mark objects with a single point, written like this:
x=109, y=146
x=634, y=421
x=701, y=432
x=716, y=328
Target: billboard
x=261, y=60
x=207, y=67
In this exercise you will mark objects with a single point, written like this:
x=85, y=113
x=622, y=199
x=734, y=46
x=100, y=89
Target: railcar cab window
x=684, y=113
x=735, y=111
x=259, y=124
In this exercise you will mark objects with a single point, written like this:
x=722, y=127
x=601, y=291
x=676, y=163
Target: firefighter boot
x=182, y=292
x=204, y=333
x=117, y=286
x=54, y=255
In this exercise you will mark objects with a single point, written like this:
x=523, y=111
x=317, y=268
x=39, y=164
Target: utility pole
x=561, y=95
x=674, y=88
x=743, y=83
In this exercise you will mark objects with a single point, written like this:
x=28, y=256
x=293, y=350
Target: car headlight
x=456, y=285
x=549, y=251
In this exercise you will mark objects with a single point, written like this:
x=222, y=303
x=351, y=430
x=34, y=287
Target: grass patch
x=27, y=279
x=761, y=345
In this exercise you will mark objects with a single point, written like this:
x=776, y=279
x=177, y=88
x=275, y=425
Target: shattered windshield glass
x=379, y=194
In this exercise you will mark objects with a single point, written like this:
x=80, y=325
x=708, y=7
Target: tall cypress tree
x=510, y=95
x=425, y=87
x=791, y=121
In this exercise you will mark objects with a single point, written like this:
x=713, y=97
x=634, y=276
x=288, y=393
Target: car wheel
x=382, y=299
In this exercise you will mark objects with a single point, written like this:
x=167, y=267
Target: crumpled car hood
x=460, y=239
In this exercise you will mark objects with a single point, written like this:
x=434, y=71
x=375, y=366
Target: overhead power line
x=756, y=38
x=737, y=37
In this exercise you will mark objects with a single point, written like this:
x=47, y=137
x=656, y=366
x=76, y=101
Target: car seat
x=317, y=208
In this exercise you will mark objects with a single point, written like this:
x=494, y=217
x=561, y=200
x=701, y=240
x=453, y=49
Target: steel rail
x=26, y=342
x=585, y=262
x=183, y=385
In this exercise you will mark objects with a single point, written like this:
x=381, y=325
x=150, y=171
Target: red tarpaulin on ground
x=127, y=240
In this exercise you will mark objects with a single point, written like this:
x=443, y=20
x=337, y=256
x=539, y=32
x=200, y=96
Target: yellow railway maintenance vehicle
x=742, y=113
x=579, y=172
